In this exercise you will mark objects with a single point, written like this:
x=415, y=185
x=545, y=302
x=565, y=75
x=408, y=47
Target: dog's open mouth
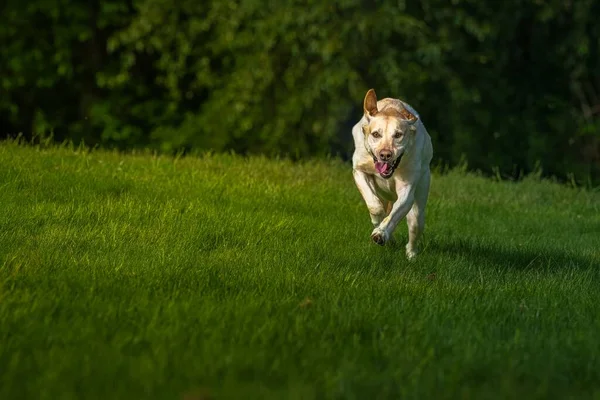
x=386, y=169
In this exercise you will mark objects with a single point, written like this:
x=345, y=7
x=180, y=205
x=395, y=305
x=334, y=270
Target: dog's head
x=389, y=132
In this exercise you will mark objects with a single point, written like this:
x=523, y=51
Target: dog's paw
x=411, y=254
x=379, y=236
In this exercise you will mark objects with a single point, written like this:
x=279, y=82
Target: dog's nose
x=385, y=155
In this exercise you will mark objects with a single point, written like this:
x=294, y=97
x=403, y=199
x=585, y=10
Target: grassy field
x=140, y=277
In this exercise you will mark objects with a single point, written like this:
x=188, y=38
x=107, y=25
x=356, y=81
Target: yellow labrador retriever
x=391, y=167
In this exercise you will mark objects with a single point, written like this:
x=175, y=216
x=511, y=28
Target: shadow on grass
x=522, y=258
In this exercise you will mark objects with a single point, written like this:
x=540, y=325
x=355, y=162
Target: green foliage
x=131, y=277
x=507, y=85
x=50, y=53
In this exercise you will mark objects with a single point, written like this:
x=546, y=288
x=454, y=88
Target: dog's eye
x=376, y=134
x=397, y=135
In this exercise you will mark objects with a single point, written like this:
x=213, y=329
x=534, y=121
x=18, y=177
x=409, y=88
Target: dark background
x=509, y=87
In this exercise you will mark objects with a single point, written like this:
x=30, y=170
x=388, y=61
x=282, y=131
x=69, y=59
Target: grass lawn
x=141, y=277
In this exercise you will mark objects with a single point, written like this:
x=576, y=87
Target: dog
x=391, y=168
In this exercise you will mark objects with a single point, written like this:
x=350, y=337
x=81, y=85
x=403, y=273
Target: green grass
x=134, y=276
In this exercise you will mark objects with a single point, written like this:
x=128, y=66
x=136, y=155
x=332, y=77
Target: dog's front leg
x=383, y=233
x=374, y=203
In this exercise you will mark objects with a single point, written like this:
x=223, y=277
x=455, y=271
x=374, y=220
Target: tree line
x=506, y=86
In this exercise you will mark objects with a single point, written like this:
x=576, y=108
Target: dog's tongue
x=382, y=167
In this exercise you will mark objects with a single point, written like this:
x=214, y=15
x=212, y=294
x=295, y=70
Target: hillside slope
x=134, y=276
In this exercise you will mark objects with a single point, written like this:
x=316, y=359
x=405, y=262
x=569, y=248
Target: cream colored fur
x=391, y=128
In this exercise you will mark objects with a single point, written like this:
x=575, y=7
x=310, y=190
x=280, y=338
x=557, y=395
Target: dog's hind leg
x=416, y=216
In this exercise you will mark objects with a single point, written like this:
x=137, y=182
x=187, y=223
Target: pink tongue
x=382, y=167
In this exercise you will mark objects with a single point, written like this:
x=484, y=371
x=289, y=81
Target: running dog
x=390, y=166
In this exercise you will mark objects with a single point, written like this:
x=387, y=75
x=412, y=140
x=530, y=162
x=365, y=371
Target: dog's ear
x=409, y=117
x=370, y=103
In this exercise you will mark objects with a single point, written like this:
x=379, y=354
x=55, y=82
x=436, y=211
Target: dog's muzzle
x=384, y=168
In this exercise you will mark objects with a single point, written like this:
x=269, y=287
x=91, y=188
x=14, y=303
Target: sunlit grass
x=135, y=276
